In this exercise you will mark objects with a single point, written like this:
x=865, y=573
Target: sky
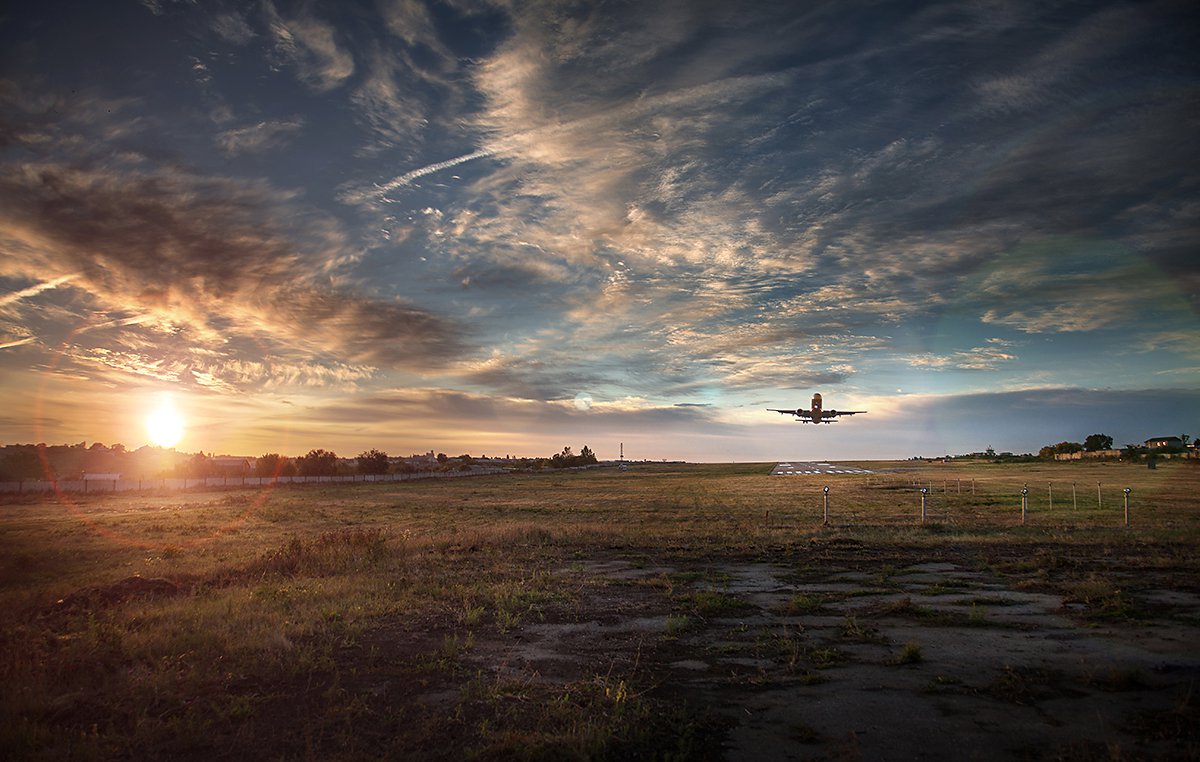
x=504, y=227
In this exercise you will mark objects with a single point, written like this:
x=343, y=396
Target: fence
x=879, y=500
x=217, y=482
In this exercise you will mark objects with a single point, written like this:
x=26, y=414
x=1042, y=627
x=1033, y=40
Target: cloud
x=1062, y=64
x=233, y=28
x=33, y=290
x=413, y=174
x=646, y=201
x=169, y=255
x=1025, y=420
x=450, y=408
x=728, y=210
x=258, y=137
x=1068, y=285
x=310, y=44
x=989, y=357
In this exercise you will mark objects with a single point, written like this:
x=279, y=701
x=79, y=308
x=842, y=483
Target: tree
x=562, y=459
x=441, y=457
x=568, y=459
x=317, y=463
x=269, y=465
x=1096, y=442
x=373, y=462
x=1049, y=451
x=195, y=467
x=25, y=463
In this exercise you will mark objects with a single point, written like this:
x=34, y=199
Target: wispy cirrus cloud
x=211, y=261
x=258, y=137
x=990, y=356
x=311, y=45
x=33, y=290
x=232, y=27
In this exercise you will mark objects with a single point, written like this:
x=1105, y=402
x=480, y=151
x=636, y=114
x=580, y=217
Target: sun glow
x=164, y=424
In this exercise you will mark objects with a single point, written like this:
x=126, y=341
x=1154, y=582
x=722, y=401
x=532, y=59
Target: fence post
x=1099, y=502
x=1074, y=499
x=825, y=522
x=1127, y=507
x=924, y=492
x=1024, y=503
x=1050, y=486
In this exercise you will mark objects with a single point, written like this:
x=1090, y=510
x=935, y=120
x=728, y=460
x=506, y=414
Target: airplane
x=816, y=414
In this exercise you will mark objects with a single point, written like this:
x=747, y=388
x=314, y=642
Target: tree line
x=1101, y=442
x=36, y=462
x=321, y=462
x=1092, y=443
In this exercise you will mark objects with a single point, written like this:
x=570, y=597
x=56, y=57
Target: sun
x=164, y=424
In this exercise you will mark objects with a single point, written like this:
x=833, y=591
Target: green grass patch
x=710, y=603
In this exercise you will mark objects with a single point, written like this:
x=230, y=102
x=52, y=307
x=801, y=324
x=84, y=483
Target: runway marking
x=797, y=469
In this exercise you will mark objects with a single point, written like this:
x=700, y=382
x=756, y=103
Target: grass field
x=669, y=611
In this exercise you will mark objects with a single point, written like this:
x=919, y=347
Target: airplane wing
x=844, y=412
x=802, y=414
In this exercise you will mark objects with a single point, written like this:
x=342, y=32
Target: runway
x=797, y=468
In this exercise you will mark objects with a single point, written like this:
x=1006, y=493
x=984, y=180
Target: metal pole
x=1099, y=502
x=1051, y=488
x=924, y=492
x=1126, y=507
x=1024, y=503
x=1074, y=500
x=825, y=522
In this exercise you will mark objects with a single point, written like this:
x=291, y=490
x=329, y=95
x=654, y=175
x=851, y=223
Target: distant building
x=226, y=466
x=421, y=460
x=1164, y=443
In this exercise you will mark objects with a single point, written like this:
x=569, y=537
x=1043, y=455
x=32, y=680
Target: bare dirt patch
x=922, y=660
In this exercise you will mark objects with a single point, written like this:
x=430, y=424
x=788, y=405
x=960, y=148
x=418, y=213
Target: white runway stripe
x=794, y=469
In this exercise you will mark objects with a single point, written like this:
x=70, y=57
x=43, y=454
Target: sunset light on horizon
x=503, y=228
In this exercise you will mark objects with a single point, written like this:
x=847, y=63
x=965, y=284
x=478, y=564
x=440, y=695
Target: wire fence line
x=919, y=499
x=83, y=486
